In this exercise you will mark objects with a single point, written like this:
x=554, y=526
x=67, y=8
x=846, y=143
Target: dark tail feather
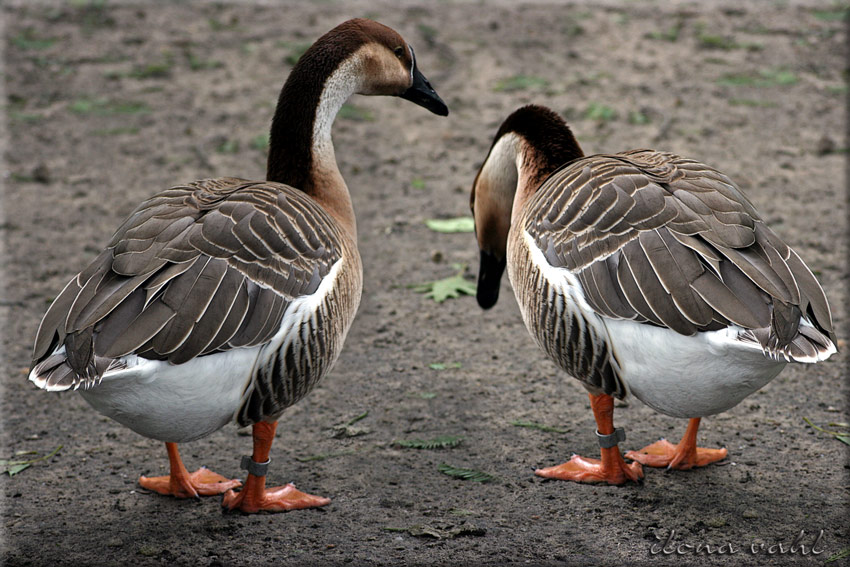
x=55, y=374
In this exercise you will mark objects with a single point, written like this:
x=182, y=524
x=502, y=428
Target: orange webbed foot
x=255, y=498
x=202, y=482
x=581, y=469
x=680, y=456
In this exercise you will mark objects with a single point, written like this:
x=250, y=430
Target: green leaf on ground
x=752, y=102
x=347, y=429
x=25, y=117
x=198, y=64
x=428, y=32
x=831, y=15
x=441, y=442
x=155, y=70
x=357, y=418
x=444, y=365
x=600, y=112
x=452, y=287
x=638, y=117
x=106, y=107
x=27, y=39
x=458, y=224
x=218, y=25
x=465, y=474
x=228, y=147
x=260, y=142
x=14, y=466
x=116, y=131
x=447, y=288
x=713, y=41
x=842, y=436
x=764, y=78
x=671, y=34
x=296, y=50
x=840, y=555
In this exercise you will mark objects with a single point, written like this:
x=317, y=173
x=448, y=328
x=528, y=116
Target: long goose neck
x=533, y=168
x=535, y=141
x=537, y=161
x=301, y=152
x=513, y=171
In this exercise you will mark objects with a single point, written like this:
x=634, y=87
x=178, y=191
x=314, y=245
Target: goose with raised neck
x=301, y=151
x=641, y=273
x=226, y=299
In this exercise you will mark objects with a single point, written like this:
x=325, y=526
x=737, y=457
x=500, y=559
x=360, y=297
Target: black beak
x=422, y=93
x=490, y=272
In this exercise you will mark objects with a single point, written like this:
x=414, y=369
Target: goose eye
x=399, y=51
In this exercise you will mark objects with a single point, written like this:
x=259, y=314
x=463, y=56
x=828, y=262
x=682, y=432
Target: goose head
x=379, y=62
x=357, y=57
x=391, y=70
x=530, y=144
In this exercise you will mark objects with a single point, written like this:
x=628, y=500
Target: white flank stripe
x=179, y=403
x=678, y=375
x=568, y=297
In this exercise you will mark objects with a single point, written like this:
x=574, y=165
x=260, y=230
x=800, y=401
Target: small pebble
x=41, y=174
x=750, y=514
x=148, y=550
x=716, y=522
x=826, y=145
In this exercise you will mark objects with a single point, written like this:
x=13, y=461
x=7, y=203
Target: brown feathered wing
x=668, y=241
x=194, y=270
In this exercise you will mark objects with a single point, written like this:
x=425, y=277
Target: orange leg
x=686, y=455
x=183, y=484
x=254, y=496
x=612, y=468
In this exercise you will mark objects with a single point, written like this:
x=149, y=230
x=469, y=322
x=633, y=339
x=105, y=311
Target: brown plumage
x=660, y=239
x=227, y=299
x=641, y=272
x=195, y=270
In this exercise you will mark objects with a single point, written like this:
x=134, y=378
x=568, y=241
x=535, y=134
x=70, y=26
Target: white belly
x=175, y=403
x=685, y=376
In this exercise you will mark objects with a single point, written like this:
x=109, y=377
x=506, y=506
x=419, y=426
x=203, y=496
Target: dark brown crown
x=546, y=132
x=292, y=125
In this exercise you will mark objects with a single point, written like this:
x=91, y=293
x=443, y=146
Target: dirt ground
x=107, y=103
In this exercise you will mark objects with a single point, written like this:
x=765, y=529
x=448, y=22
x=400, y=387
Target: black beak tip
x=490, y=273
x=422, y=93
x=487, y=298
x=438, y=107
x=426, y=98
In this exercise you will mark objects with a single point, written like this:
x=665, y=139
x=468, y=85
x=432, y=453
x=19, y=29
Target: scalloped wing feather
x=669, y=241
x=196, y=269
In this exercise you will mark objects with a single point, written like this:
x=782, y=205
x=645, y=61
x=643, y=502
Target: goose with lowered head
x=641, y=272
x=226, y=299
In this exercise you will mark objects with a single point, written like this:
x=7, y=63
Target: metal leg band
x=253, y=467
x=612, y=440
